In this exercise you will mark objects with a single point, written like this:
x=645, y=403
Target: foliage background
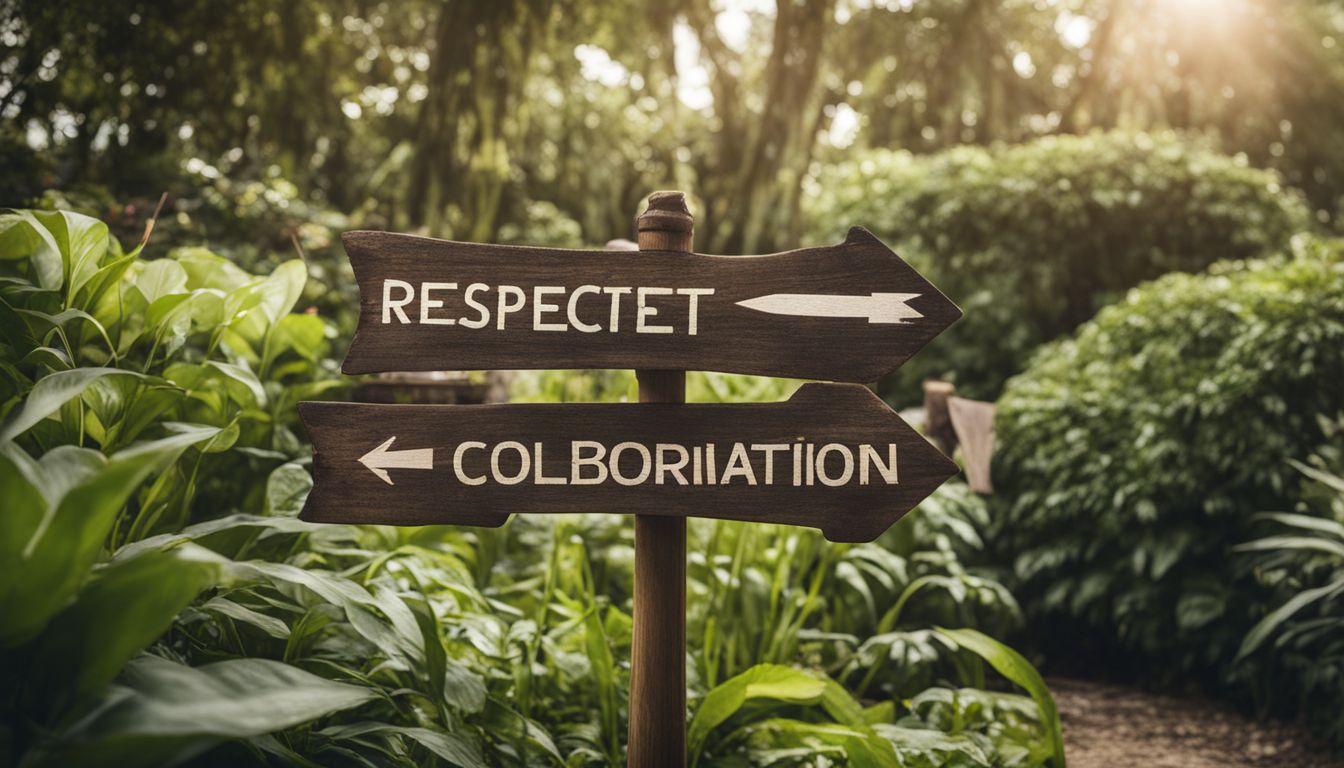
x=1135, y=452
x=1037, y=159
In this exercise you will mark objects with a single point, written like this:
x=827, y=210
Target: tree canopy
x=459, y=118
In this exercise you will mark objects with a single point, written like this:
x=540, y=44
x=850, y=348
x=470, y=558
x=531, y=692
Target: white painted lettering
x=505, y=291
x=391, y=305
x=616, y=292
x=869, y=456
x=645, y=311
x=540, y=307
x=616, y=463
x=462, y=476
x=769, y=450
x=427, y=303
x=693, y=306
x=577, y=462
x=845, y=455
x=574, y=320
x=662, y=466
x=539, y=470
x=524, y=463
x=483, y=311
x=738, y=464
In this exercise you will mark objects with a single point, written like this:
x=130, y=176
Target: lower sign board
x=833, y=457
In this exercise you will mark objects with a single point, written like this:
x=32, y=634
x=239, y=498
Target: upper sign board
x=848, y=312
x=833, y=457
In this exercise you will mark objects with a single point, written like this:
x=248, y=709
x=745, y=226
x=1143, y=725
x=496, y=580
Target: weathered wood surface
x=848, y=312
x=937, y=420
x=973, y=421
x=362, y=478
x=657, y=723
x=424, y=387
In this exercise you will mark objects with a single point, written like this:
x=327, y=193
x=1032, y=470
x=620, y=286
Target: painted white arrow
x=380, y=459
x=877, y=307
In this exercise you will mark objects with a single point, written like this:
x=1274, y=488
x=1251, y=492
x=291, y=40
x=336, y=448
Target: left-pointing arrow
x=380, y=459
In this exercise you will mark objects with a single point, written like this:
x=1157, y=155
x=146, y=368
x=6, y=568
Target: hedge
x=1031, y=240
x=1134, y=455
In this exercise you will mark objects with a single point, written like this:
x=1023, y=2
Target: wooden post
x=657, y=737
x=937, y=420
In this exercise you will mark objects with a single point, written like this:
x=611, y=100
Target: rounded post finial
x=667, y=224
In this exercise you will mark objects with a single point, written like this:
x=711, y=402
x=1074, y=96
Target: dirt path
x=1109, y=726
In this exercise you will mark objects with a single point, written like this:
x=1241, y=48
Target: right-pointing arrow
x=877, y=307
x=380, y=459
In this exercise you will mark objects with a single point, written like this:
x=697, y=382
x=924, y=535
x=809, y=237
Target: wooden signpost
x=832, y=457
x=848, y=312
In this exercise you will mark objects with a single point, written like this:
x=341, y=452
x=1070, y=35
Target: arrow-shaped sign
x=847, y=312
x=876, y=307
x=380, y=459
x=833, y=457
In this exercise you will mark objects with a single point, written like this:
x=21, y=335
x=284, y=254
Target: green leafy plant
x=1031, y=240
x=138, y=395
x=1135, y=455
x=1302, y=639
x=1013, y=666
x=154, y=618
x=775, y=714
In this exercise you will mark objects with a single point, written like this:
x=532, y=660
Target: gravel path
x=1107, y=726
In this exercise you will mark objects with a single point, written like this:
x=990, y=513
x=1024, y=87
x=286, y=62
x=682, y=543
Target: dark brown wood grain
x=729, y=337
x=348, y=492
x=657, y=723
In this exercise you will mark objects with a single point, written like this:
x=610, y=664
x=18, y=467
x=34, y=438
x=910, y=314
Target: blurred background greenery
x=1135, y=202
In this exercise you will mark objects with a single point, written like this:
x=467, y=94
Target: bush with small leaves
x=1134, y=456
x=1031, y=240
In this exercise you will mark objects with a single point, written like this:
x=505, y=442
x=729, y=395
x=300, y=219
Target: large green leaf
x=125, y=606
x=1013, y=666
x=397, y=635
x=122, y=407
x=301, y=333
x=1300, y=543
x=23, y=235
x=162, y=712
x=104, y=284
x=196, y=312
x=282, y=289
x=161, y=278
x=763, y=681
x=287, y=488
x=226, y=535
x=57, y=558
x=49, y=394
x=1307, y=522
x=24, y=509
x=457, y=748
x=17, y=239
x=1266, y=627
x=927, y=748
x=861, y=746
x=206, y=270
x=82, y=241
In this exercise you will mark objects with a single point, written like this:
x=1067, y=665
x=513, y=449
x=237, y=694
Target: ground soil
x=1111, y=726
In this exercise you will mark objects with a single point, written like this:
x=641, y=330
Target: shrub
x=1031, y=240
x=1301, y=642
x=136, y=395
x=1134, y=455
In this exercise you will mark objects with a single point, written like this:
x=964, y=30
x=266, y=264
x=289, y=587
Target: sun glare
x=1196, y=8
